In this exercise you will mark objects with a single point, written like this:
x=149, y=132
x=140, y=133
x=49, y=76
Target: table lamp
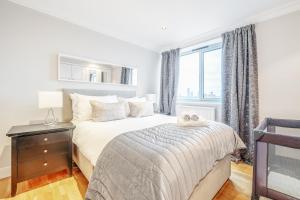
x=50, y=100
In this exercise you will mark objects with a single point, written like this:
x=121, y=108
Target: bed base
x=207, y=188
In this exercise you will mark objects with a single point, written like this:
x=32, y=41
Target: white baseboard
x=5, y=172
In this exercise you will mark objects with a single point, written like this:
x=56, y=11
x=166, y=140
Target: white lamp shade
x=151, y=97
x=50, y=99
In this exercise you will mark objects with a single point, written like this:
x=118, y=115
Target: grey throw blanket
x=164, y=162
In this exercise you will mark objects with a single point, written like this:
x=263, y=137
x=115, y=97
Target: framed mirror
x=71, y=68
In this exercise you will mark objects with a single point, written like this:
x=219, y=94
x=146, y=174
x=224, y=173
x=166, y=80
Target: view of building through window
x=200, y=73
x=212, y=74
x=189, y=76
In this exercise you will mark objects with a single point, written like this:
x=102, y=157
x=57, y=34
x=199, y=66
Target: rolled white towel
x=191, y=120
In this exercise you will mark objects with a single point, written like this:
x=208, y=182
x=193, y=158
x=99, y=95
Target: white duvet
x=91, y=137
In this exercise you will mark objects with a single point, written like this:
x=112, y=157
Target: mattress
x=290, y=185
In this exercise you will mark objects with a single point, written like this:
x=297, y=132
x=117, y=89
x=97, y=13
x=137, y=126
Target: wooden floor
x=59, y=186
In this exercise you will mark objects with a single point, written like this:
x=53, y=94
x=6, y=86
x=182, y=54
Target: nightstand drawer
x=32, y=152
x=41, y=166
x=42, y=139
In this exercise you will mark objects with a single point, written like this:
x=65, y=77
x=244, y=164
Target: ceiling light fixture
x=163, y=28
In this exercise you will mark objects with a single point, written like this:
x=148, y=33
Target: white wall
x=278, y=42
x=29, y=45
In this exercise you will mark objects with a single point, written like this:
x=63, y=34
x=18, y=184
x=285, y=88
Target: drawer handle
x=45, y=164
x=45, y=151
x=45, y=139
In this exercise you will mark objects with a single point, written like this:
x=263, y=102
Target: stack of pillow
x=107, y=108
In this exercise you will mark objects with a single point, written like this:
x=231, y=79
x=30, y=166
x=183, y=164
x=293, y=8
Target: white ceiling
x=140, y=21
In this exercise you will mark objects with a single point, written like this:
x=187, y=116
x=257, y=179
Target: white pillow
x=107, y=111
x=133, y=99
x=141, y=109
x=82, y=109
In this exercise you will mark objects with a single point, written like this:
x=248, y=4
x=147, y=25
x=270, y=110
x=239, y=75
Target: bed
x=90, y=138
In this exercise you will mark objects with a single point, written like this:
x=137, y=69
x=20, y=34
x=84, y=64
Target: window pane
x=212, y=74
x=189, y=76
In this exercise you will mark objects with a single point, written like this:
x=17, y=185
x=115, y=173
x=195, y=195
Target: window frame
x=201, y=51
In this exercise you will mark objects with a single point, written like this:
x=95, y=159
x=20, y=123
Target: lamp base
x=50, y=123
x=50, y=119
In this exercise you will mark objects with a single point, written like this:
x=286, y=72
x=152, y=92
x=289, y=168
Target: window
x=200, y=74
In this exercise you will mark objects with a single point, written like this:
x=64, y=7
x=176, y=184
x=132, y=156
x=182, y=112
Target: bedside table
x=38, y=150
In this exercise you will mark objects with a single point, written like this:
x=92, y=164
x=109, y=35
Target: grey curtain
x=240, y=85
x=126, y=75
x=169, y=81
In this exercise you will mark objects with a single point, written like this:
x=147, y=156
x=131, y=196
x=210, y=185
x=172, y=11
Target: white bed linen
x=91, y=137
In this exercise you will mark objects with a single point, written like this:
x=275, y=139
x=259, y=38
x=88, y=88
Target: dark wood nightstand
x=38, y=150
